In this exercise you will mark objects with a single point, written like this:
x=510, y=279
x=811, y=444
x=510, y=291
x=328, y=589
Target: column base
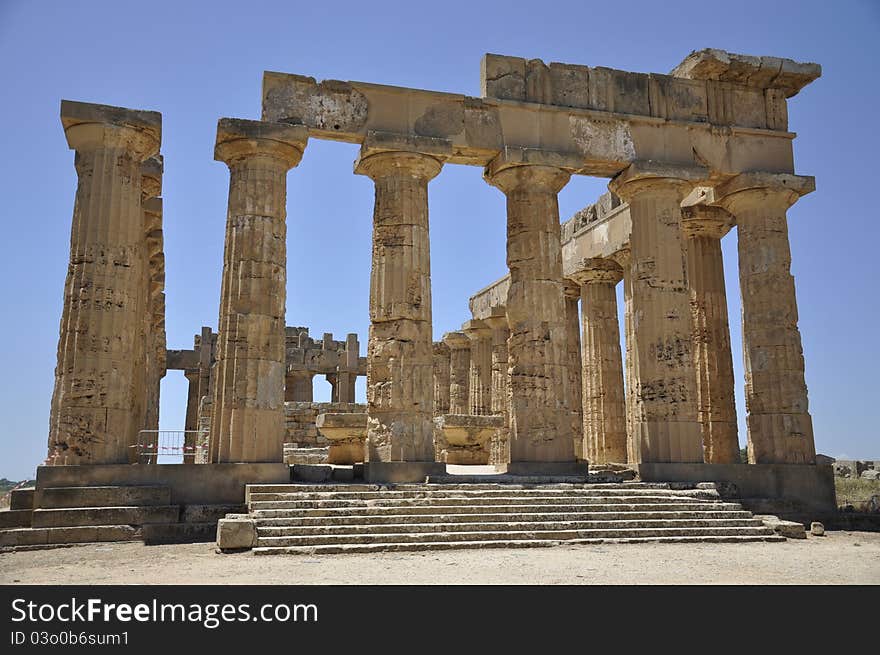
x=402, y=471
x=549, y=468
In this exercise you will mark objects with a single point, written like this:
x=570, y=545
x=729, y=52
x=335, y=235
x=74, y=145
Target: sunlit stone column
x=603, y=397
x=574, y=384
x=154, y=317
x=779, y=423
x=441, y=378
x=97, y=403
x=480, y=386
x=400, y=393
x=703, y=227
x=541, y=434
x=192, y=399
x=665, y=425
x=248, y=409
x=500, y=377
x=459, y=371
x=624, y=259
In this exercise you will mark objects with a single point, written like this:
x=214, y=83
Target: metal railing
x=171, y=447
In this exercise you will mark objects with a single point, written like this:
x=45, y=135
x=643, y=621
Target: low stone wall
x=300, y=421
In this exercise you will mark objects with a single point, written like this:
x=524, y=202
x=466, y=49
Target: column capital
x=151, y=177
x=748, y=189
x=646, y=176
x=705, y=221
x=596, y=270
x=476, y=329
x=456, y=340
x=440, y=349
x=89, y=126
x=239, y=139
x=571, y=289
x=389, y=163
x=538, y=177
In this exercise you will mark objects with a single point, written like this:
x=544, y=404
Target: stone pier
x=459, y=371
x=665, y=425
x=98, y=400
x=540, y=418
x=605, y=439
x=574, y=389
x=400, y=394
x=779, y=423
x=248, y=409
x=703, y=227
x=480, y=385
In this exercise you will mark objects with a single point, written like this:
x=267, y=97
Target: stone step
x=15, y=518
x=22, y=498
x=179, y=533
x=295, y=488
x=513, y=535
x=395, y=494
x=382, y=519
x=503, y=478
x=379, y=531
x=97, y=516
x=506, y=508
x=68, y=535
x=107, y=496
x=501, y=543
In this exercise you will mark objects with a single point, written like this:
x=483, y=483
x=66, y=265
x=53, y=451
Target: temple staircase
x=446, y=514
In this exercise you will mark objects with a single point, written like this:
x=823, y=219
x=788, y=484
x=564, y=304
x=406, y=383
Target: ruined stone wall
x=299, y=421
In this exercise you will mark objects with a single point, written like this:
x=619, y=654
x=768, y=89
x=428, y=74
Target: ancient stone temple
x=535, y=383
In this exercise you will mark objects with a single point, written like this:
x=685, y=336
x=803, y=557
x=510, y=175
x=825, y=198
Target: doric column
x=624, y=259
x=97, y=403
x=459, y=371
x=537, y=350
x=400, y=390
x=500, y=377
x=248, y=410
x=779, y=423
x=192, y=399
x=299, y=387
x=665, y=425
x=480, y=386
x=441, y=378
x=703, y=227
x=154, y=287
x=574, y=384
x=603, y=392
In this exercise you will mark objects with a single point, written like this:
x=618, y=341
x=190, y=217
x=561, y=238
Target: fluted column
x=603, y=392
x=459, y=371
x=192, y=399
x=500, y=377
x=665, y=425
x=441, y=378
x=400, y=395
x=248, y=409
x=154, y=317
x=480, y=386
x=779, y=423
x=574, y=389
x=624, y=259
x=97, y=402
x=537, y=349
x=703, y=227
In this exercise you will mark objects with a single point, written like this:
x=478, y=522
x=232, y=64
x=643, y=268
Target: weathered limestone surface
x=441, y=377
x=779, y=423
x=624, y=259
x=575, y=377
x=300, y=421
x=154, y=317
x=480, y=372
x=248, y=413
x=540, y=419
x=665, y=426
x=459, y=371
x=604, y=425
x=499, y=447
x=400, y=394
x=338, y=361
x=98, y=403
x=703, y=228
x=346, y=433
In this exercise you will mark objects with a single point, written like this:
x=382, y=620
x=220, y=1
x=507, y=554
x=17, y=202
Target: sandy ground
x=839, y=557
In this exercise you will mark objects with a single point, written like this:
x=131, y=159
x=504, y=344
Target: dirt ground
x=838, y=558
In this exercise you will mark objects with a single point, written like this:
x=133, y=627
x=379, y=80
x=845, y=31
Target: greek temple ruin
x=535, y=383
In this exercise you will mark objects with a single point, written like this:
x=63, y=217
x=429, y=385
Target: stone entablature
x=339, y=361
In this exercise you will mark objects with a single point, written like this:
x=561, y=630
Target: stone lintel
x=238, y=138
x=181, y=360
x=377, y=141
x=510, y=157
x=74, y=113
x=787, y=75
x=485, y=301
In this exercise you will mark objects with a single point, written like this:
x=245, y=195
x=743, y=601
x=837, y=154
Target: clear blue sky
x=197, y=62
